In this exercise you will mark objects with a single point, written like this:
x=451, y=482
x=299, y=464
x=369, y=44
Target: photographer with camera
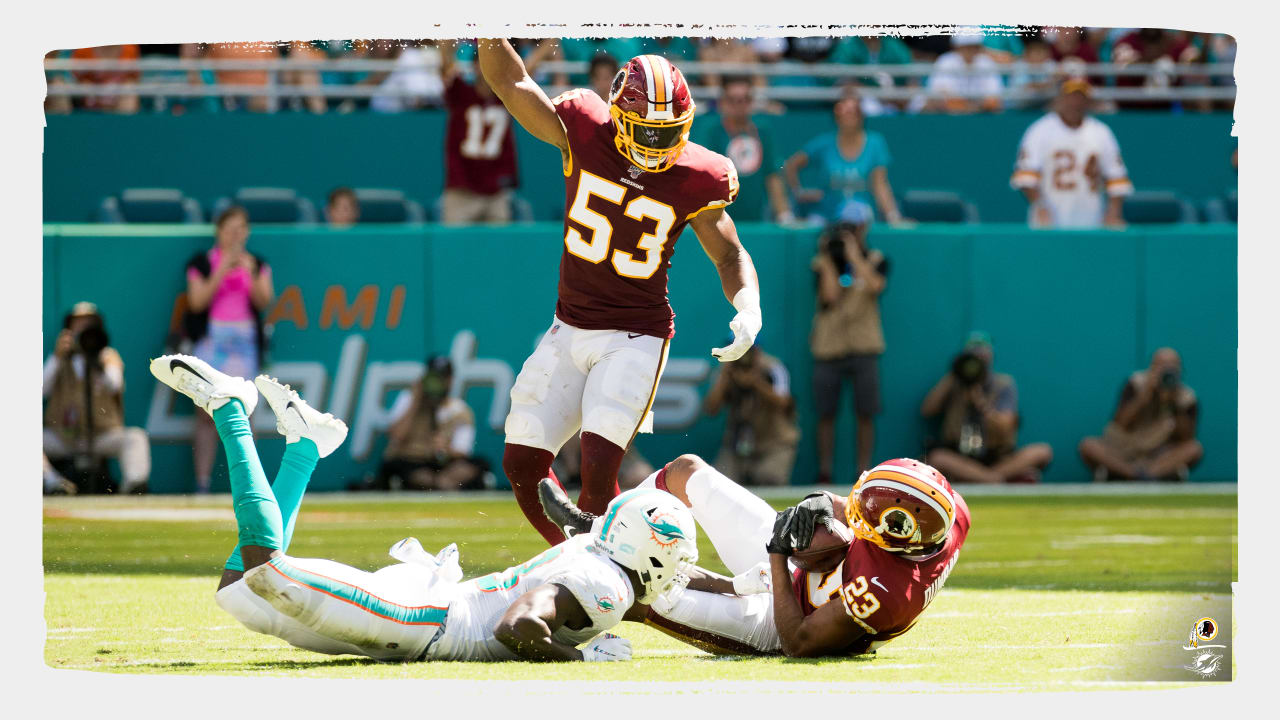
x=761, y=435
x=979, y=428
x=431, y=437
x=847, y=338
x=1152, y=435
x=84, y=411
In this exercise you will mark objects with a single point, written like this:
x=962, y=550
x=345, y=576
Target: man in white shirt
x=1067, y=161
x=83, y=389
x=964, y=80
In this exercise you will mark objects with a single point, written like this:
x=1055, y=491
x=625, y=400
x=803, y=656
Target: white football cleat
x=207, y=388
x=296, y=419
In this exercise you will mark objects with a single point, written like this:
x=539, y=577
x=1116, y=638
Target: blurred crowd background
x=1064, y=86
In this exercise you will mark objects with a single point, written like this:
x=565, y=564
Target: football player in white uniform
x=1067, y=161
x=417, y=609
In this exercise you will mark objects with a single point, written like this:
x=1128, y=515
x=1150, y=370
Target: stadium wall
x=1071, y=314
x=89, y=156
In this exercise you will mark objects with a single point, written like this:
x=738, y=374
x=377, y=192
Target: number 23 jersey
x=621, y=223
x=883, y=592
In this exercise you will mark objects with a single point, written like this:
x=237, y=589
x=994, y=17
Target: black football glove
x=780, y=542
x=815, y=508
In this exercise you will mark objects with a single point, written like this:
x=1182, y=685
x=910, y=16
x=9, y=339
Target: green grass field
x=1051, y=593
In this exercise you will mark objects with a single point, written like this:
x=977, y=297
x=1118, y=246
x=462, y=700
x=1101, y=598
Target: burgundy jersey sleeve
x=715, y=180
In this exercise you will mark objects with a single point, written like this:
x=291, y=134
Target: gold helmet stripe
x=660, y=92
x=900, y=474
x=926, y=488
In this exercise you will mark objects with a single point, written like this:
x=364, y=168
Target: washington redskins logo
x=898, y=522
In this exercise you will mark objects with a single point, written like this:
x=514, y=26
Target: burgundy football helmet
x=652, y=111
x=901, y=505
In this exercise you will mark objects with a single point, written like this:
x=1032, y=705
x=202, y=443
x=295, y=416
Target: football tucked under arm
x=528, y=624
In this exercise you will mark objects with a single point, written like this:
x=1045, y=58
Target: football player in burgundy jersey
x=908, y=527
x=632, y=182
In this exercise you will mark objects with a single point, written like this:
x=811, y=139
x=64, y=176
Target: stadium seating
x=381, y=205
x=1146, y=207
x=1222, y=209
x=149, y=205
x=270, y=205
x=941, y=206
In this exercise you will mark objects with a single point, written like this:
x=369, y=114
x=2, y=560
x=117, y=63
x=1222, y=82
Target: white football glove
x=607, y=647
x=745, y=325
x=754, y=581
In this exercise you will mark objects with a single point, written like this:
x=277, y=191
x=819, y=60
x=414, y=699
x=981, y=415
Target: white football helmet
x=651, y=532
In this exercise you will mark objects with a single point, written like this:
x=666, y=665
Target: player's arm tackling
x=719, y=238
x=506, y=74
x=527, y=627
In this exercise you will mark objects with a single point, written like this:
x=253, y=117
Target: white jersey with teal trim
x=600, y=585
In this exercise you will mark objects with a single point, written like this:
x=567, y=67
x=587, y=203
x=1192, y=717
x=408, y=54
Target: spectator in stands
x=847, y=338
x=343, y=208
x=84, y=409
x=1039, y=79
x=299, y=51
x=600, y=73
x=872, y=51
x=730, y=50
x=416, y=80
x=964, y=80
x=761, y=435
x=245, y=51
x=749, y=142
x=228, y=288
x=480, y=150
x=123, y=104
x=1152, y=434
x=1162, y=48
x=1067, y=161
x=432, y=437
x=978, y=438
x=57, y=104
x=851, y=163
x=1070, y=44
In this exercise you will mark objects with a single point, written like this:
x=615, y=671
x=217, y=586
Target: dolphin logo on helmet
x=652, y=533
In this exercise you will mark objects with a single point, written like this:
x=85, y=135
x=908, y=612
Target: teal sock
x=257, y=514
x=296, y=466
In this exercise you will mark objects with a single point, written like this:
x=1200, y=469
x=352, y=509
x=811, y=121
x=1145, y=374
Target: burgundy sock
x=600, y=462
x=525, y=466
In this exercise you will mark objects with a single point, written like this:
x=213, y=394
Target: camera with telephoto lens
x=970, y=368
x=91, y=341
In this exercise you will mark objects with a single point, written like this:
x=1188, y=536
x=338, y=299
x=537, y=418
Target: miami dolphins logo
x=663, y=528
x=604, y=604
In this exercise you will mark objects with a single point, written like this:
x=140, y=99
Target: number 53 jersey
x=621, y=222
x=599, y=585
